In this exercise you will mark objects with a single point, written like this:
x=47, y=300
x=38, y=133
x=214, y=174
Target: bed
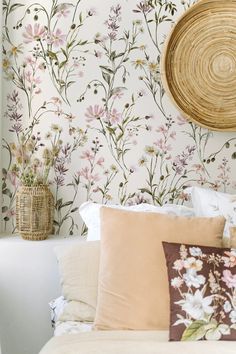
x=80, y=268
x=130, y=342
x=75, y=337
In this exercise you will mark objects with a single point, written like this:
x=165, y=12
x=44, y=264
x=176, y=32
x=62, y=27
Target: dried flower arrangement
x=29, y=168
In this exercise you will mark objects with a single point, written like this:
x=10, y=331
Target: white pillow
x=207, y=202
x=90, y=213
x=78, y=267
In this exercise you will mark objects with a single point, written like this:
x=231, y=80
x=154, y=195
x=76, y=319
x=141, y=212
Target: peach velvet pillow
x=233, y=237
x=133, y=286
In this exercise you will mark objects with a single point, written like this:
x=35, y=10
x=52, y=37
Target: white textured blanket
x=131, y=342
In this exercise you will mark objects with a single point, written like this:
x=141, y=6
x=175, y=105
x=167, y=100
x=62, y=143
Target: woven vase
x=34, y=212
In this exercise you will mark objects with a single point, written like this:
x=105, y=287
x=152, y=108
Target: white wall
x=29, y=279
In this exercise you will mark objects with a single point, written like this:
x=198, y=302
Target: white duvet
x=131, y=342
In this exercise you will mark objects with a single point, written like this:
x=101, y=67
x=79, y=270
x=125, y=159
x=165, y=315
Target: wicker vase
x=34, y=212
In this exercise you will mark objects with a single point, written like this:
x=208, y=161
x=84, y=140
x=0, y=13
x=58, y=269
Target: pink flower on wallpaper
x=38, y=91
x=13, y=179
x=94, y=112
x=34, y=33
x=32, y=79
x=63, y=10
x=56, y=100
x=56, y=38
x=163, y=146
x=198, y=168
x=229, y=279
x=184, y=196
x=181, y=120
x=114, y=116
x=86, y=173
x=117, y=94
x=97, y=54
x=11, y=213
x=92, y=11
x=58, y=112
x=173, y=135
x=100, y=161
x=202, y=180
x=162, y=129
x=30, y=60
x=87, y=155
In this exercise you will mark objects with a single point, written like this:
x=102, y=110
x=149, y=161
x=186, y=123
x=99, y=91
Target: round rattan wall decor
x=199, y=64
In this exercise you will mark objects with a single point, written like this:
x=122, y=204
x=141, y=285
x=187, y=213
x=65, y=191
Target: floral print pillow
x=208, y=202
x=202, y=283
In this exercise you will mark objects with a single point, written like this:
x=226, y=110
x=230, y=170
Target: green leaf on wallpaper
x=4, y=6
x=4, y=171
x=145, y=190
x=234, y=156
x=70, y=83
x=134, y=48
x=106, y=68
x=63, y=63
x=58, y=204
x=195, y=331
x=119, y=136
x=7, y=192
x=82, y=42
x=14, y=7
x=70, y=44
x=106, y=77
x=64, y=52
x=113, y=55
x=156, y=17
x=52, y=55
x=66, y=204
x=74, y=210
x=111, y=130
x=4, y=209
x=119, y=55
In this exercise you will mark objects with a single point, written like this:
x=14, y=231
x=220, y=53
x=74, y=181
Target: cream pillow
x=133, y=285
x=78, y=265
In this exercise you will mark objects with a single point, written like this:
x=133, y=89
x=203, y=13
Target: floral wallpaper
x=82, y=91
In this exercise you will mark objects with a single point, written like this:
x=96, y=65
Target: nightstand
x=29, y=279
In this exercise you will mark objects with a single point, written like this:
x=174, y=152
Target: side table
x=29, y=280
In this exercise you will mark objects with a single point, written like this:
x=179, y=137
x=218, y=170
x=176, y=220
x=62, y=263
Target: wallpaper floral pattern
x=82, y=82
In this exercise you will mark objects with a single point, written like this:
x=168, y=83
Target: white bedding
x=65, y=327
x=69, y=327
x=131, y=342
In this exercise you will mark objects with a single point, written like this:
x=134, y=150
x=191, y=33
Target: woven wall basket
x=34, y=212
x=199, y=64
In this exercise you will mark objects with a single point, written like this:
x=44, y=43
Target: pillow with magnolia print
x=202, y=283
x=208, y=202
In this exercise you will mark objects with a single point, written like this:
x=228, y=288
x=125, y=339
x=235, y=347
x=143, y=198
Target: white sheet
x=71, y=327
x=131, y=342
